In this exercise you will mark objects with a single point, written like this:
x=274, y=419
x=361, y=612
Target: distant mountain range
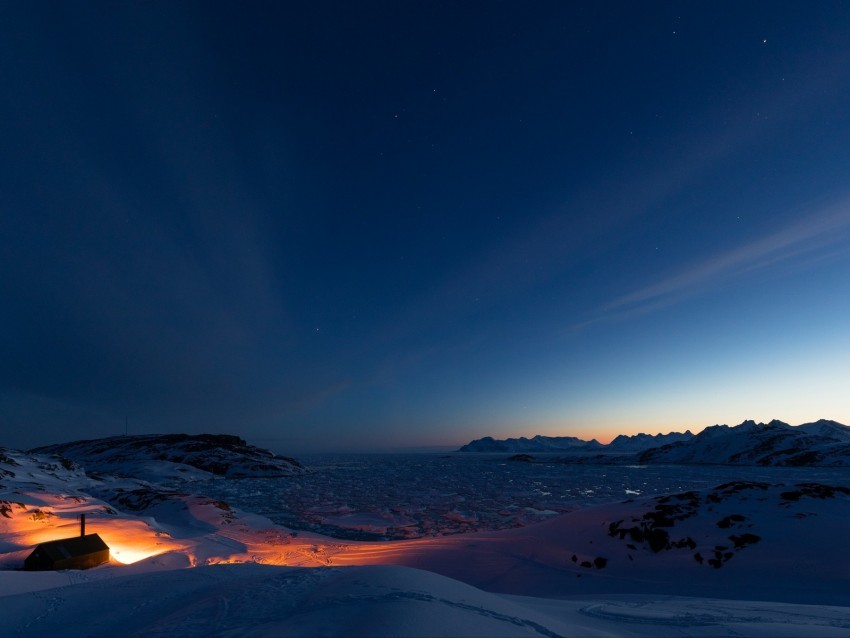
x=822, y=443
x=537, y=444
x=540, y=444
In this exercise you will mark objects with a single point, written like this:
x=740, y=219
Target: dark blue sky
x=380, y=224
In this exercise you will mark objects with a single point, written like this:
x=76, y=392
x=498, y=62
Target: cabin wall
x=84, y=561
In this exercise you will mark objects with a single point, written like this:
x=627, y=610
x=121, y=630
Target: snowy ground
x=752, y=558
x=256, y=600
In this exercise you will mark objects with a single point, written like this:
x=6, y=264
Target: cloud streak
x=797, y=240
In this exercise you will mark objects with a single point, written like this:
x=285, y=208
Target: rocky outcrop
x=218, y=454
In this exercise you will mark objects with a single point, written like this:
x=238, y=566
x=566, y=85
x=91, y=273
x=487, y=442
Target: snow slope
x=798, y=556
x=256, y=600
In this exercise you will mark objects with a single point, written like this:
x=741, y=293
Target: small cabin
x=79, y=552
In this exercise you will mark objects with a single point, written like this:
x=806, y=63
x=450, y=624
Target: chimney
x=82, y=524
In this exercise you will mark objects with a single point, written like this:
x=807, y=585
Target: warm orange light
x=130, y=540
x=133, y=540
x=128, y=555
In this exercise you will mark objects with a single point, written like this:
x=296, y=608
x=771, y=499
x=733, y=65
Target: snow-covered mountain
x=823, y=443
x=641, y=442
x=538, y=443
x=180, y=455
x=828, y=429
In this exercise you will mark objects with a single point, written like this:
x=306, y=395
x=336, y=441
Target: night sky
x=375, y=225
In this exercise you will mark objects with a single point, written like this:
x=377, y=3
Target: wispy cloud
x=796, y=241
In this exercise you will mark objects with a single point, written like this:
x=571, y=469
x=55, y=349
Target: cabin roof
x=63, y=548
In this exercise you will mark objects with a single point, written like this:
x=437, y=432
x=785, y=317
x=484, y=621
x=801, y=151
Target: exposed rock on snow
x=653, y=529
x=175, y=456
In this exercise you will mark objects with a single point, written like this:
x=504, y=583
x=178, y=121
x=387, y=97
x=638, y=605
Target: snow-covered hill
x=178, y=455
x=823, y=443
x=738, y=539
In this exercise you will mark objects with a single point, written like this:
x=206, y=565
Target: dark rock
x=745, y=539
x=727, y=521
x=658, y=540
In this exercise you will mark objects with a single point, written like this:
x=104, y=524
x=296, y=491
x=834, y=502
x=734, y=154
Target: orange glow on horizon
x=604, y=433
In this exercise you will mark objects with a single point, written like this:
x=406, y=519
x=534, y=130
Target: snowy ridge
x=822, y=443
x=175, y=456
x=640, y=442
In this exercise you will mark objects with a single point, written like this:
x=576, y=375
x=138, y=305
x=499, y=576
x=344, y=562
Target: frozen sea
x=397, y=496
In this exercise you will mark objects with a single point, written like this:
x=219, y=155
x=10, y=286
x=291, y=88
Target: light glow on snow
x=127, y=554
